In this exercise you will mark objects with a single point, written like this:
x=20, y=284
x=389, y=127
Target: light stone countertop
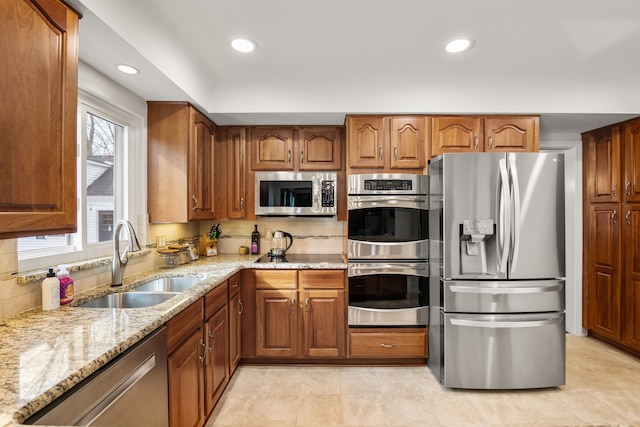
x=45, y=353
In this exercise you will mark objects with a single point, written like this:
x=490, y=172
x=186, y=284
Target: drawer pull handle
x=388, y=345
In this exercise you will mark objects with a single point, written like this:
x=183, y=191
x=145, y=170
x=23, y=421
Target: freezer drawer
x=504, y=351
x=502, y=296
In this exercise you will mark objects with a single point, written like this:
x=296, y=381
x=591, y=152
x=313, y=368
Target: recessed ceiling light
x=127, y=69
x=458, y=45
x=243, y=45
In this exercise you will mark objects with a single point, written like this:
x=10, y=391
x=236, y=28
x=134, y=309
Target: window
x=105, y=136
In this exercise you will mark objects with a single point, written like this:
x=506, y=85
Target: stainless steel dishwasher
x=131, y=391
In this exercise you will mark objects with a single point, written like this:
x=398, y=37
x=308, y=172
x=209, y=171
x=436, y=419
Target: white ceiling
x=575, y=62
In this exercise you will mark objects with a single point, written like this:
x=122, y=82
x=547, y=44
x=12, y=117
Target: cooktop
x=303, y=259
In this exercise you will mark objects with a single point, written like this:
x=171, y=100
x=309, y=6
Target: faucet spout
x=119, y=261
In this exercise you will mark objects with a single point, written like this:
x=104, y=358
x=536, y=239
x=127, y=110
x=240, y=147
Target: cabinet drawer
x=388, y=344
x=215, y=299
x=276, y=279
x=321, y=279
x=184, y=324
x=234, y=285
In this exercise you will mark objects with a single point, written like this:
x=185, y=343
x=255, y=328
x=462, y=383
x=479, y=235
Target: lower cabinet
x=198, y=362
x=388, y=343
x=300, y=313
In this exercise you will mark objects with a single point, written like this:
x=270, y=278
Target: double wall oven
x=388, y=250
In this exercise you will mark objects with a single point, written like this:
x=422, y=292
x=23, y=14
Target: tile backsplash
x=311, y=235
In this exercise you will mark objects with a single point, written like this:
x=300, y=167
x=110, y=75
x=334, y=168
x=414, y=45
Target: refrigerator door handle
x=503, y=324
x=505, y=220
x=505, y=291
x=517, y=219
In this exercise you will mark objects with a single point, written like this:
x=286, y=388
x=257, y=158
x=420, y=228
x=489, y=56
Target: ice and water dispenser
x=475, y=236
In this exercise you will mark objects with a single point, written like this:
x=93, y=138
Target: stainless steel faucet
x=119, y=262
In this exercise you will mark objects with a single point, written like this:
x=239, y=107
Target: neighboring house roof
x=102, y=185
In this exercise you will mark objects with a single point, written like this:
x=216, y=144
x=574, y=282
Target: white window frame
x=130, y=204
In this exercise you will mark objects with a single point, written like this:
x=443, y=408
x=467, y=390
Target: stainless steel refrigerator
x=497, y=268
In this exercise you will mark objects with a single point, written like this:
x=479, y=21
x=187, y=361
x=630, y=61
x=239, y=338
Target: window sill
x=31, y=276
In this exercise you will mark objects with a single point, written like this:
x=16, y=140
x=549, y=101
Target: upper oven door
x=388, y=227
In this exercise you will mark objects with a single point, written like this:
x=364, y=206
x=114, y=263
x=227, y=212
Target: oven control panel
x=388, y=184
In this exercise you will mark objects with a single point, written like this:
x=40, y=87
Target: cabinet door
x=186, y=383
x=511, y=134
x=603, y=163
x=407, y=136
x=365, y=139
x=235, y=332
x=324, y=323
x=236, y=173
x=201, y=163
x=457, y=134
x=276, y=323
x=272, y=149
x=38, y=118
x=631, y=284
x=320, y=148
x=604, y=270
x=632, y=161
x=217, y=357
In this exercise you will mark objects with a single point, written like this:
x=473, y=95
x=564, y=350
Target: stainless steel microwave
x=296, y=193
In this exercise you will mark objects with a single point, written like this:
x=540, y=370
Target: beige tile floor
x=603, y=389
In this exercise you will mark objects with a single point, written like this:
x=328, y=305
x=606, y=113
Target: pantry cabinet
x=380, y=144
x=180, y=163
x=198, y=361
x=300, y=313
x=296, y=148
x=39, y=86
x=611, y=277
x=459, y=134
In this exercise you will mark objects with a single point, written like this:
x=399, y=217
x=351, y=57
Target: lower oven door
x=503, y=351
x=388, y=294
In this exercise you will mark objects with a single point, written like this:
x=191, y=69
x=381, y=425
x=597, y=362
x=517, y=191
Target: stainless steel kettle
x=279, y=244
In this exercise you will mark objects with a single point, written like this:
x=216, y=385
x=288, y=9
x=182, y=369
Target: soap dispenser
x=50, y=291
x=66, y=285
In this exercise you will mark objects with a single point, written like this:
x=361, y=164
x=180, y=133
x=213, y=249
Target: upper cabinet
x=632, y=161
x=180, y=163
x=236, y=173
x=387, y=144
x=39, y=86
x=457, y=134
x=289, y=148
x=602, y=152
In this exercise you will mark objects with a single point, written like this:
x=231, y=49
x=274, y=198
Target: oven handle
x=365, y=269
x=359, y=202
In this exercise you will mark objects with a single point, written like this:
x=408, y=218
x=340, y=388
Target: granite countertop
x=46, y=353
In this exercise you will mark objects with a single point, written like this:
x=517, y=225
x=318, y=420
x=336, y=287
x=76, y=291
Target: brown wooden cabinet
x=198, y=361
x=300, y=313
x=39, y=86
x=293, y=148
x=458, y=134
x=235, y=322
x=180, y=163
x=236, y=173
x=387, y=144
x=388, y=343
x=611, y=291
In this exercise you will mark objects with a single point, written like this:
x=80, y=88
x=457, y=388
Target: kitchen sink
x=168, y=284
x=129, y=300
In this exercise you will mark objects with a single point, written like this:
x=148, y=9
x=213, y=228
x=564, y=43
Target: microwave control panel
x=328, y=193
